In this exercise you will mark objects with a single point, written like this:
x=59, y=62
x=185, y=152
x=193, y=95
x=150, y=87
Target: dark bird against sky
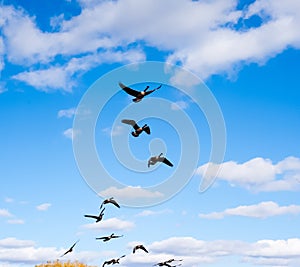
x=110, y=200
x=159, y=158
x=107, y=238
x=70, y=249
x=137, y=129
x=139, y=95
x=113, y=261
x=97, y=218
x=139, y=247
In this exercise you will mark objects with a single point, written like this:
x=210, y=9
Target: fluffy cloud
x=5, y=213
x=146, y=213
x=43, y=207
x=16, y=252
x=213, y=40
x=112, y=224
x=260, y=174
x=194, y=252
x=261, y=210
x=70, y=133
x=117, y=130
x=16, y=221
x=62, y=77
x=179, y=105
x=130, y=192
x=68, y=113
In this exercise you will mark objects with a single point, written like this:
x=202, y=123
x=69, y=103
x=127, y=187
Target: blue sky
x=247, y=55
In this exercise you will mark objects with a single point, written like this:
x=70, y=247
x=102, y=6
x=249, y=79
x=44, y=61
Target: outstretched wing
x=112, y=201
x=92, y=216
x=166, y=161
x=70, y=249
x=132, y=123
x=151, y=91
x=101, y=238
x=129, y=90
x=147, y=129
x=143, y=248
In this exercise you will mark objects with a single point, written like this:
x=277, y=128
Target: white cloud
x=183, y=78
x=261, y=210
x=67, y=113
x=47, y=79
x=117, y=130
x=9, y=200
x=179, y=105
x=12, y=242
x=1, y=55
x=146, y=213
x=130, y=192
x=70, y=133
x=15, y=252
x=61, y=77
x=194, y=252
x=43, y=207
x=16, y=221
x=191, y=250
x=260, y=174
x=208, y=42
x=112, y=224
x=5, y=213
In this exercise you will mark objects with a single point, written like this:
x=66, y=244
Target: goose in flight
x=139, y=247
x=137, y=129
x=97, y=218
x=107, y=238
x=70, y=249
x=159, y=158
x=113, y=261
x=166, y=263
x=110, y=200
x=139, y=95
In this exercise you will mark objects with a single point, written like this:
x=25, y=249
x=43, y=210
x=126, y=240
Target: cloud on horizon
x=259, y=174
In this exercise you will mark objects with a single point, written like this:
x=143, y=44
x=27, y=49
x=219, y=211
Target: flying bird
x=107, y=238
x=171, y=260
x=139, y=95
x=166, y=263
x=113, y=261
x=159, y=158
x=70, y=249
x=97, y=218
x=137, y=129
x=110, y=200
x=139, y=247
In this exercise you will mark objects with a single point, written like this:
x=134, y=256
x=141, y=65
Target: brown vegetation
x=63, y=264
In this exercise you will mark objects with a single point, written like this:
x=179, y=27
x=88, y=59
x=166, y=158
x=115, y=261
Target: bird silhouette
x=70, y=249
x=97, y=218
x=107, y=238
x=159, y=158
x=166, y=263
x=139, y=95
x=137, y=129
x=113, y=261
x=109, y=200
x=139, y=247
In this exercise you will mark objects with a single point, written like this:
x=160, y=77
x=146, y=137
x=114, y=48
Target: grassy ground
x=63, y=264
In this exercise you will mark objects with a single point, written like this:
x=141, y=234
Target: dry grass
x=63, y=264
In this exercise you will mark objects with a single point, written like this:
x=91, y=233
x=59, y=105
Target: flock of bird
x=139, y=95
